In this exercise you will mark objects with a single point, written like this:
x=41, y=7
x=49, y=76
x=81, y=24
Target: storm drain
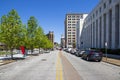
x=43, y=59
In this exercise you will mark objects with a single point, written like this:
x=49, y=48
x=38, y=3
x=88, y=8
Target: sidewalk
x=5, y=60
x=111, y=61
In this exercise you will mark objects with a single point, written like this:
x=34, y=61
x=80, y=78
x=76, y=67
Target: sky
x=50, y=14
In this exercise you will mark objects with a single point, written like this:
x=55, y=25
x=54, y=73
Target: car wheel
x=82, y=57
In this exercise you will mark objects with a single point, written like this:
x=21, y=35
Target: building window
x=104, y=5
x=73, y=29
x=73, y=16
x=93, y=33
x=69, y=24
x=73, y=35
x=73, y=21
x=93, y=16
x=96, y=13
x=73, y=32
x=69, y=27
x=69, y=19
x=104, y=17
x=69, y=43
x=117, y=24
x=73, y=24
x=69, y=16
x=73, y=41
x=110, y=1
x=100, y=31
x=81, y=16
x=100, y=9
x=69, y=32
x=69, y=35
x=78, y=17
x=96, y=33
x=110, y=28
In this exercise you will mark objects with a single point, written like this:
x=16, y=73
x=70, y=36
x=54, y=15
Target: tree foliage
x=10, y=29
x=13, y=33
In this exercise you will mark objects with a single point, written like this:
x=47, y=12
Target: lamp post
x=106, y=50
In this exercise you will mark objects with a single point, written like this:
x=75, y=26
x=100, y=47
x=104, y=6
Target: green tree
x=38, y=37
x=23, y=39
x=46, y=43
x=10, y=30
x=31, y=30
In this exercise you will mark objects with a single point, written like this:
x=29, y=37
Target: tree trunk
x=39, y=50
x=11, y=51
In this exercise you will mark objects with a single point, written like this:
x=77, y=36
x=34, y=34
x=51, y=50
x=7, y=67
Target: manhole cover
x=43, y=60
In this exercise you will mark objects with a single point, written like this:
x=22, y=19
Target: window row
x=79, y=16
x=99, y=10
x=73, y=19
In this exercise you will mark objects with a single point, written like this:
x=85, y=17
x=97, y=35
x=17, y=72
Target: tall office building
x=71, y=21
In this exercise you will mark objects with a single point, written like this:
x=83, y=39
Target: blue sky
x=49, y=13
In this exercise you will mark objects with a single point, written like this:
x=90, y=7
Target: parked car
x=35, y=52
x=92, y=55
x=73, y=51
x=69, y=49
x=79, y=53
x=46, y=51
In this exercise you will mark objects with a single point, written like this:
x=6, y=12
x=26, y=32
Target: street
x=58, y=65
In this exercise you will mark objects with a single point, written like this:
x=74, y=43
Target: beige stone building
x=71, y=21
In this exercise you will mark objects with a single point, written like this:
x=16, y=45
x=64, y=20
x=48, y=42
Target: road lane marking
x=59, y=70
x=70, y=73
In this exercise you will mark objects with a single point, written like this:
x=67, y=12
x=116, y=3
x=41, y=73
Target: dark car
x=92, y=55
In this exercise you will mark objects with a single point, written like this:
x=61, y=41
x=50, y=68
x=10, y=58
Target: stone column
x=107, y=28
x=95, y=33
x=113, y=28
x=98, y=32
x=92, y=34
x=119, y=24
x=102, y=32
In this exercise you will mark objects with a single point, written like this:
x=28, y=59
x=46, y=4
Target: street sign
x=106, y=44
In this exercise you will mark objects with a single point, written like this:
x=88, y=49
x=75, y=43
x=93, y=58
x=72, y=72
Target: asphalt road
x=93, y=70
x=58, y=65
x=40, y=67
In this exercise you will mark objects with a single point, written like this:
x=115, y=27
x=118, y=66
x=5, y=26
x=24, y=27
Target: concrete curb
x=4, y=63
x=112, y=61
